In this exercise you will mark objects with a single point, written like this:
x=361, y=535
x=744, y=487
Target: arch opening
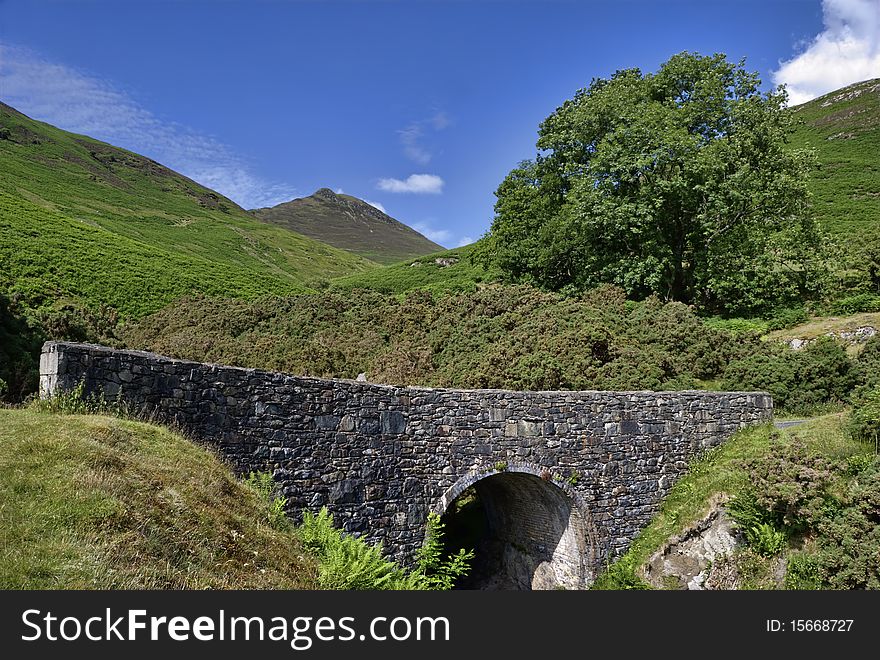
x=526, y=532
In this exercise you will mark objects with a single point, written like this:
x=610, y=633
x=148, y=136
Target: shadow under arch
x=528, y=530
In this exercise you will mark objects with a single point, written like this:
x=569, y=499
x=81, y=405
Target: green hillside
x=450, y=270
x=89, y=502
x=350, y=224
x=844, y=129
x=85, y=220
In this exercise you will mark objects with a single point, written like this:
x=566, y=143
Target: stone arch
x=538, y=532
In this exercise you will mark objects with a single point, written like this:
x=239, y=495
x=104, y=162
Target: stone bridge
x=547, y=485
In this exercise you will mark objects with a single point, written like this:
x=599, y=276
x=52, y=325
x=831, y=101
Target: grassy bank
x=92, y=502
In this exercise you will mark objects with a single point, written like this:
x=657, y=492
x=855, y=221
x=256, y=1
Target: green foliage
x=19, y=346
x=91, y=235
x=263, y=484
x=813, y=485
x=864, y=420
x=77, y=402
x=802, y=572
x=836, y=502
x=849, y=536
x=800, y=380
x=498, y=337
x=346, y=562
x=679, y=184
x=868, y=366
x=500, y=466
x=765, y=539
x=862, y=302
x=619, y=575
x=782, y=319
x=434, y=568
x=791, y=484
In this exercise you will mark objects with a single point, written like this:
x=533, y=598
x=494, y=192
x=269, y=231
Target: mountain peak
x=350, y=223
x=325, y=193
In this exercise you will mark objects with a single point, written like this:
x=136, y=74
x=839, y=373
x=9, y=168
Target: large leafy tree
x=679, y=184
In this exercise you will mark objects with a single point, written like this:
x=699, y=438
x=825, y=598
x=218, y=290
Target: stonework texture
x=569, y=478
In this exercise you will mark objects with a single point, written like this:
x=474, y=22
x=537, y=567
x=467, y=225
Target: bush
x=849, y=537
x=799, y=381
x=864, y=420
x=867, y=365
x=499, y=337
x=20, y=344
x=862, y=302
x=835, y=504
x=787, y=318
x=802, y=572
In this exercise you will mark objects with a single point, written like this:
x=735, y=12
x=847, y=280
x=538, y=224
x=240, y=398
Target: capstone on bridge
x=564, y=480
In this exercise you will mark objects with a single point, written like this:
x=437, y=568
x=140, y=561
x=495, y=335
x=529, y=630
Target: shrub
x=867, y=365
x=864, y=420
x=802, y=572
x=799, y=381
x=765, y=539
x=782, y=319
x=862, y=302
x=20, y=344
x=849, y=537
x=513, y=337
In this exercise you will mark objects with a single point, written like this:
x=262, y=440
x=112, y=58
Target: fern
x=346, y=562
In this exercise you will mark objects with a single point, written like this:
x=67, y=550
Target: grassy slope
x=844, y=128
x=97, y=502
x=428, y=275
x=82, y=219
x=350, y=224
x=720, y=472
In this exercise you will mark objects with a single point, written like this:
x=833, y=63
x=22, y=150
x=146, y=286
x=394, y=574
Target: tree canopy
x=679, y=184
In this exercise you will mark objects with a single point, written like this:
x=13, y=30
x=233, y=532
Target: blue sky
x=419, y=107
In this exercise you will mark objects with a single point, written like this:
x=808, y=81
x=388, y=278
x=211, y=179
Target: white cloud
x=376, y=205
x=846, y=51
x=411, y=137
x=429, y=184
x=440, y=120
x=464, y=240
x=78, y=102
x=437, y=235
